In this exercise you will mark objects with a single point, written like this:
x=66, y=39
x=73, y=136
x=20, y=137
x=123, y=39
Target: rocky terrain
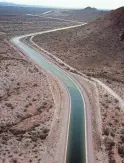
x=26, y=108
x=97, y=49
x=112, y=143
x=26, y=102
x=100, y=41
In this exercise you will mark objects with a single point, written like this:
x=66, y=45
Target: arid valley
x=59, y=67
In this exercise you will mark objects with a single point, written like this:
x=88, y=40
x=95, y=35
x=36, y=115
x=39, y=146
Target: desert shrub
x=121, y=150
x=109, y=143
x=27, y=143
x=116, y=101
x=28, y=96
x=108, y=81
x=106, y=131
x=112, y=161
x=44, y=104
x=68, y=68
x=30, y=104
x=16, y=132
x=9, y=105
x=109, y=101
x=35, y=85
x=25, y=110
x=106, y=95
x=118, y=108
x=73, y=71
x=106, y=106
x=26, y=106
x=122, y=131
x=45, y=130
x=18, y=83
x=43, y=136
x=39, y=109
x=14, y=160
x=122, y=138
x=112, y=134
x=34, y=99
x=19, y=116
x=34, y=138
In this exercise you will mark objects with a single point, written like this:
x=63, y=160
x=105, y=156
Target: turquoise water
x=76, y=152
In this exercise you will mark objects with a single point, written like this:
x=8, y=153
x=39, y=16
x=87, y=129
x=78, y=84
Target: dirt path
x=109, y=90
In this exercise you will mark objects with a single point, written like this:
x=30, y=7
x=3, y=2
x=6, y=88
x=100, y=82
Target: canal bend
x=76, y=145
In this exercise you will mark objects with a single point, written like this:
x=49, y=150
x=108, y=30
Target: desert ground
x=14, y=25
x=27, y=108
x=96, y=50
x=27, y=104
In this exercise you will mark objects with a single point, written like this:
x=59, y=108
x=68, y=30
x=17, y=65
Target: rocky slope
x=96, y=48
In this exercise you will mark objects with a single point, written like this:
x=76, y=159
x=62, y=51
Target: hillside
x=97, y=47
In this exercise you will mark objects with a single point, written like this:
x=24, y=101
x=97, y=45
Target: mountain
x=90, y=9
x=87, y=14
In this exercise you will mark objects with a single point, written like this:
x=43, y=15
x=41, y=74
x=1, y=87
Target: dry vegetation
x=95, y=49
x=112, y=127
x=26, y=108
